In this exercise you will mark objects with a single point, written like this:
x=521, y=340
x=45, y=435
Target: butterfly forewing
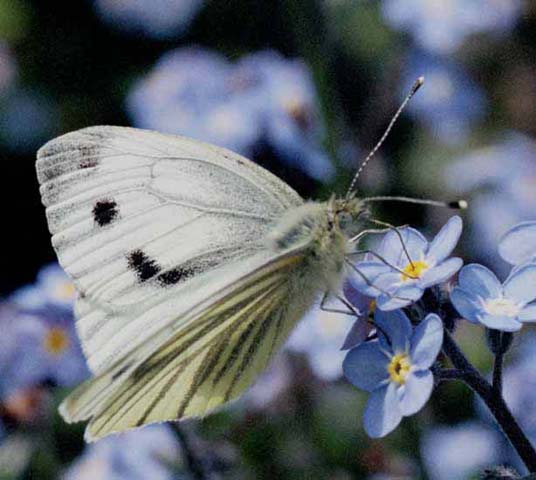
x=137, y=217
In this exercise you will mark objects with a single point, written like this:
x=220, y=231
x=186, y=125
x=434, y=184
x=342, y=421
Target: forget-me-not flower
x=401, y=275
x=395, y=369
x=154, y=18
x=518, y=245
x=444, y=450
x=480, y=297
x=263, y=99
x=320, y=336
x=52, y=289
x=441, y=26
x=152, y=452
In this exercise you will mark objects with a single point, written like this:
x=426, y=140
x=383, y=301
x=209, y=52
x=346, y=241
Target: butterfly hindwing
x=216, y=354
x=137, y=217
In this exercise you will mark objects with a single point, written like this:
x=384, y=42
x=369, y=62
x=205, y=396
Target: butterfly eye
x=345, y=219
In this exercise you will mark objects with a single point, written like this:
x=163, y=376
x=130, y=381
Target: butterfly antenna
x=418, y=83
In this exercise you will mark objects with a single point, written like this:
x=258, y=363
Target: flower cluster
x=393, y=363
x=263, y=99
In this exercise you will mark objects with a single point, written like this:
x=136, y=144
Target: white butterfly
x=192, y=265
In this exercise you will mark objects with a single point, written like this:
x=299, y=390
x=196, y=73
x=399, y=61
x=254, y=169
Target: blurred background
x=304, y=88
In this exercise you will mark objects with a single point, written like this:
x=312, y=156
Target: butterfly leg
x=370, y=283
x=381, y=259
x=397, y=232
x=351, y=310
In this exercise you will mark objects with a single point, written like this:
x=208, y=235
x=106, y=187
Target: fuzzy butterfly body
x=192, y=265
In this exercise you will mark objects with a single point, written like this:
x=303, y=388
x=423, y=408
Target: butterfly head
x=347, y=214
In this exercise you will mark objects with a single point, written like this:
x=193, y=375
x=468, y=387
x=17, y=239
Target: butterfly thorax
x=321, y=230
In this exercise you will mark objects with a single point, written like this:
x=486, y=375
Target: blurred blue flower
x=320, y=336
x=263, y=98
x=401, y=275
x=500, y=179
x=395, y=369
x=40, y=348
x=53, y=288
x=159, y=19
x=518, y=245
x=152, y=452
x=449, y=103
x=39, y=341
x=519, y=386
x=441, y=26
x=444, y=450
x=480, y=297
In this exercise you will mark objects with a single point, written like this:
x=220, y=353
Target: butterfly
x=192, y=266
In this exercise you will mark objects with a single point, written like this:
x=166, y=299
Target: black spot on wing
x=105, y=211
x=175, y=275
x=144, y=266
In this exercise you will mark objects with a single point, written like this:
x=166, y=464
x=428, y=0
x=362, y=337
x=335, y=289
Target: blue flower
x=444, y=450
x=480, y=297
x=450, y=102
x=401, y=275
x=319, y=336
x=52, y=289
x=518, y=245
x=502, y=192
x=442, y=25
x=152, y=452
x=262, y=99
x=37, y=348
x=156, y=18
x=395, y=369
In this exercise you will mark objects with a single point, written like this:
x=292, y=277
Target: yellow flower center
x=56, y=340
x=65, y=291
x=414, y=270
x=399, y=368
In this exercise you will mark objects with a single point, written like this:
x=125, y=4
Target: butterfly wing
x=223, y=344
x=138, y=217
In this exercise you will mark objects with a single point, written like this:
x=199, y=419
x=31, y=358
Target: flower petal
x=391, y=248
x=357, y=299
x=369, y=271
x=520, y=286
x=357, y=334
x=500, y=322
x=401, y=297
x=415, y=392
x=444, y=242
x=382, y=413
x=480, y=281
x=397, y=327
x=426, y=342
x=528, y=314
x=518, y=245
x=441, y=272
x=365, y=366
x=467, y=304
